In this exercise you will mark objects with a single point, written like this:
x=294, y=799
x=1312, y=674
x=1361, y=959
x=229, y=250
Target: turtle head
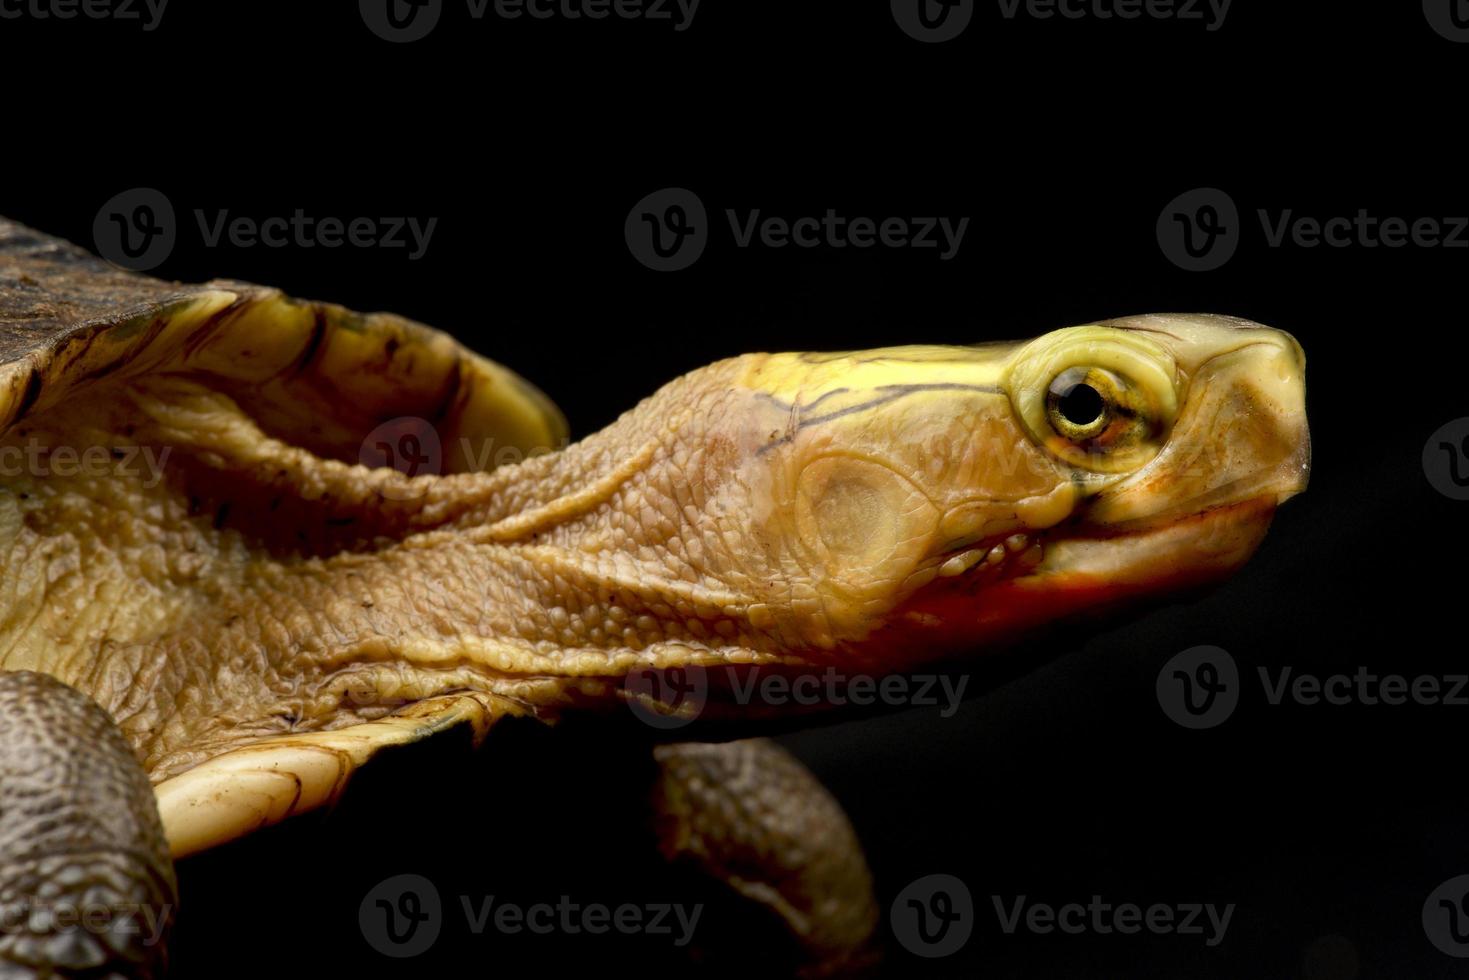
x=925, y=500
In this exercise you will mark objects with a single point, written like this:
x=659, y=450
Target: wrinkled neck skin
x=215, y=583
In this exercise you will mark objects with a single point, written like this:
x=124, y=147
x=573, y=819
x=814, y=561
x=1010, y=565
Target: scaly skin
x=870, y=511
x=86, y=885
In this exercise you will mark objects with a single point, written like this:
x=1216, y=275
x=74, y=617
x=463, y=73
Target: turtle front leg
x=753, y=819
x=87, y=887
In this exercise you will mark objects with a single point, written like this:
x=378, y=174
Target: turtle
x=251, y=541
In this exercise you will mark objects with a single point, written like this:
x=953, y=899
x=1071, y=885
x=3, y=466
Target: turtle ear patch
x=865, y=525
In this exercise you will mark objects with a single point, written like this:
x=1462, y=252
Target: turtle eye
x=1091, y=407
x=1096, y=412
x=1075, y=407
x=1098, y=398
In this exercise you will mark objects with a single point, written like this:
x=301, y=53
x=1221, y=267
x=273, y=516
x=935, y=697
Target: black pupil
x=1081, y=405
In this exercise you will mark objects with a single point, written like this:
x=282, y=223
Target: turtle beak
x=1241, y=437
x=1199, y=509
x=1287, y=394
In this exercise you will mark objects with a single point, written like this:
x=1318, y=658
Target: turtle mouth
x=1070, y=572
x=1181, y=547
x=1201, y=540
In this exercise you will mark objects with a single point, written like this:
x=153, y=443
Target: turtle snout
x=1242, y=435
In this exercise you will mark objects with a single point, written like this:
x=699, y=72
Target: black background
x=1062, y=142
